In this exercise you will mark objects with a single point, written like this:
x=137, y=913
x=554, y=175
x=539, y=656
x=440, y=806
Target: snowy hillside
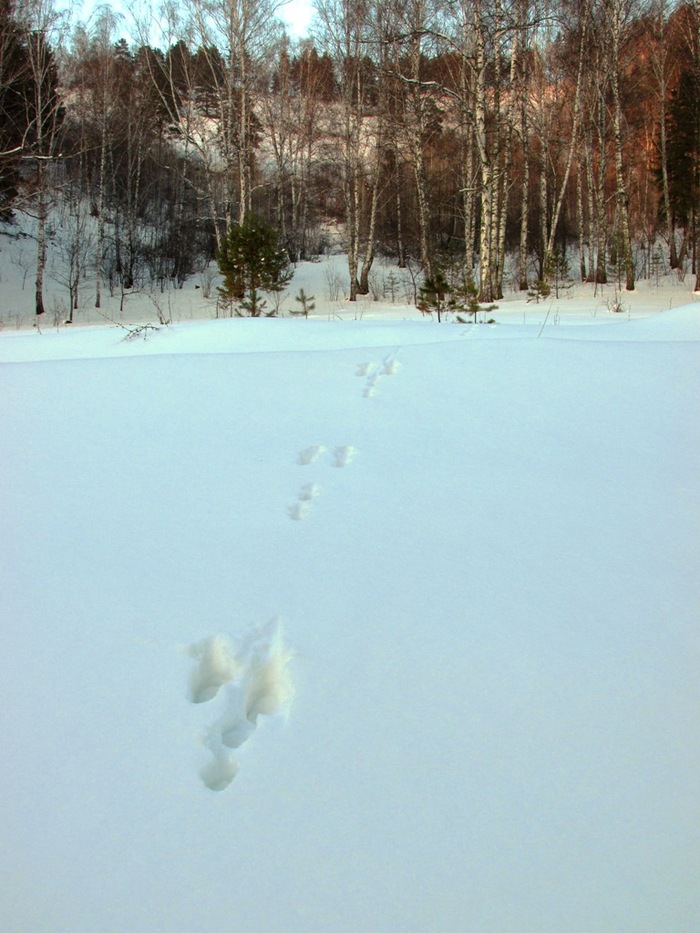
x=337, y=626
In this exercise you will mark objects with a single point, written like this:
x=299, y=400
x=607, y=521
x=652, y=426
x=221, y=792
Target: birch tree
x=571, y=139
x=94, y=83
x=245, y=32
x=660, y=64
x=488, y=40
x=291, y=115
x=617, y=20
x=43, y=26
x=345, y=30
x=412, y=23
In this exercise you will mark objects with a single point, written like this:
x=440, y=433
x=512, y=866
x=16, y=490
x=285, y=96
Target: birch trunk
x=590, y=198
x=468, y=188
x=621, y=197
x=580, y=215
x=352, y=182
x=525, y=143
x=368, y=258
x=659, y=63
x=524, y=198
x=506, y=168
x=417, y=132
x=601, y=275
x=485, y=168
x=42, y=211
x=100, y=246
x=400, y=248
x=573, y=143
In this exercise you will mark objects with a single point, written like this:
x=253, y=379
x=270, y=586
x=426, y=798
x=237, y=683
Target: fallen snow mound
x=677, y=324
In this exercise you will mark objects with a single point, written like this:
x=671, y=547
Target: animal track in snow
x=258, y=683
x=309, y=491
x=370, y=388
x=391, y=366
x=300, y=509
x=218, y=773
x=217, y=665
x=310, y=454
x=374, y=371
x=343, y=455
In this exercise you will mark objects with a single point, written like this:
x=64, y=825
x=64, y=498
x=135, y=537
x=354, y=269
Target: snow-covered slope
x=350, y=626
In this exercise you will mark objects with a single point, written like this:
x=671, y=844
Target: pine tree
x=435, y=295
x=15, y=89
x=683, y=153
x=307, y=303
x=251, y=261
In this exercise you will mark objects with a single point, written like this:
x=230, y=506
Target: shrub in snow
x=307, y=303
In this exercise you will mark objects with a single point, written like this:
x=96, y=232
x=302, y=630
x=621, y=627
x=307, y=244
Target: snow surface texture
x=258, y=683
x=493, y=607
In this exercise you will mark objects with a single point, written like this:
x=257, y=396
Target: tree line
x=485, y=142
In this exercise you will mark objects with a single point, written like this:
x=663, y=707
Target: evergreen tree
x=683, y=152
x=15, y=80
x=435, y=295
x=307, y=303
x=251, y=261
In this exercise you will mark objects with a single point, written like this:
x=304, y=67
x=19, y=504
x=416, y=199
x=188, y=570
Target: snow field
x=489, y=721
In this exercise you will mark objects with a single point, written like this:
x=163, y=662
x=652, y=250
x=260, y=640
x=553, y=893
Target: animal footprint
x=391, y=366
x=307, y=494
x=260, y=686
x=299, y=511
x=374, y=372
x=220, y=771
x=371, y=386
x=343, y=455
x=310, y=454
x=309, y=491
x=236, y=732
x=267, y=685
x=216, y=665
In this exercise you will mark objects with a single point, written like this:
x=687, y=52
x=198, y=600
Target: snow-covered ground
x=369, y=625
x=392, y=293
